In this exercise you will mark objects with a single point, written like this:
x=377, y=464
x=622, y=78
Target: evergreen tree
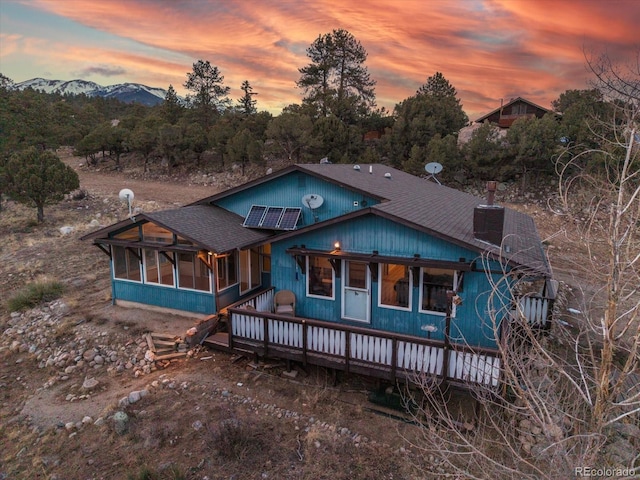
x=336, y=81
x=210, y=95
x=171, y=108
x=38, y=177
x=247, y=104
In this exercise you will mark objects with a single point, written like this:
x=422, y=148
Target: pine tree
x=38, y=177
x=247, y=104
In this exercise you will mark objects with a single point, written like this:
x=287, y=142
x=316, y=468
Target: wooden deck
x=253, y=329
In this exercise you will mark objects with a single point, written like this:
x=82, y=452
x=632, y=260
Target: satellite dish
x=433, y=168
x=126, y=195
x=312, y=200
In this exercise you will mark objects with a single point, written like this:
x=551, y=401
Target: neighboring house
x=512, y=111
x=390, y=273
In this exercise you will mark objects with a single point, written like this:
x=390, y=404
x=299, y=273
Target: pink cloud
x=488, y=49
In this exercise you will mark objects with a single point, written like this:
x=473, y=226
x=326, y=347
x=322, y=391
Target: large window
x=321, y=278
x=433, y=291
x=395, y=286
x=126, y=264
x=192, y=273
x=158, y=267
x=249, y=269
x=155, y=234
x=227, y=270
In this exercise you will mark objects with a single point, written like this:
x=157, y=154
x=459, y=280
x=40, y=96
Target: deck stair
x=166, y=346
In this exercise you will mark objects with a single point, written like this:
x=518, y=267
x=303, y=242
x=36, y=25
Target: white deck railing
x=355, y=348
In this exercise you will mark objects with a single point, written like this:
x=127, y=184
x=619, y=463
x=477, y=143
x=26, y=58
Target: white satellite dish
x=126, y=195
x=312, y=200
x=433, y=168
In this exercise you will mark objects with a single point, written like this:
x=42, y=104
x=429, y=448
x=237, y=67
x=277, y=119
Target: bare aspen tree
x=569, y=400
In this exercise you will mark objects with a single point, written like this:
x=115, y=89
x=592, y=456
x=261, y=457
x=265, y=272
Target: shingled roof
x=419, y=203
x=210, y=227
x=439, y=210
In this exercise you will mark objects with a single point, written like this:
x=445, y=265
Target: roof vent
x=387, y=175
x=356, y=167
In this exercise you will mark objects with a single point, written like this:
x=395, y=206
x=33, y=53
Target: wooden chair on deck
x=285, y=302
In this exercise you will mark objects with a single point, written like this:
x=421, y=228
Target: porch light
x=336, y=245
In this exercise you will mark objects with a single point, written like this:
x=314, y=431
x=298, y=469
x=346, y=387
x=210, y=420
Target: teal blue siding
x=365, y=234
x=288, y=190
x=166, y=297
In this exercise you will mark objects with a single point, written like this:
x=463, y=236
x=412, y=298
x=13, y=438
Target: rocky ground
x=83, y=397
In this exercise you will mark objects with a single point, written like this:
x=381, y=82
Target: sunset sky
x=488, y=49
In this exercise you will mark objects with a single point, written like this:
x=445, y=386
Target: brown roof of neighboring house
x=511, y=102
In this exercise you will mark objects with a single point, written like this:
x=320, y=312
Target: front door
x=356, y=291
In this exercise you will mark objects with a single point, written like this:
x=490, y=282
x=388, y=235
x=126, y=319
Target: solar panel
x=272, y=217
x=289, y=218
x=254, y=217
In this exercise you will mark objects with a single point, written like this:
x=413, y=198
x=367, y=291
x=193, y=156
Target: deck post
x=265, y=329
x=447, y=340
x=347, y=351
x=305, y=336
x=394, y=357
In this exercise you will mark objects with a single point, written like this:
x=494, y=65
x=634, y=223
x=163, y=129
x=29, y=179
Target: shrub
x=34, y=294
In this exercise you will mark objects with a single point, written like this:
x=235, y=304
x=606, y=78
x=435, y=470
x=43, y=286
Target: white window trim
x=231, y=285
x=177, y=276
x=113, y=267
x=431, y=312
x=333, y=283
x=158, y=284
x=394, y=307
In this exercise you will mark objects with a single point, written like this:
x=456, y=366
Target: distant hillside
x=125, y=92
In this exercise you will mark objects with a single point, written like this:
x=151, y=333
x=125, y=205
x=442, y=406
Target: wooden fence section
x=360, y=350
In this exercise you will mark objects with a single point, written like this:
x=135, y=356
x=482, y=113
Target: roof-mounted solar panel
x=289, y=218
x=255, y=215
x=272, y=217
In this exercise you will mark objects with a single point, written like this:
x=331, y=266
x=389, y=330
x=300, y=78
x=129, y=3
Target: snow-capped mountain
x=125, y=92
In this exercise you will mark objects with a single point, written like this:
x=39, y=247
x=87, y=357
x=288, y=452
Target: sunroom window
x=126, y=265
x=227, y=270
x=155, y=234
x=433, y=291
x=321, y=278
x=158, y=267
x=395, y=286
x=192, y=273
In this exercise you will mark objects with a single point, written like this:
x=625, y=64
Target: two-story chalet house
x=386, y=273
x=516, y=108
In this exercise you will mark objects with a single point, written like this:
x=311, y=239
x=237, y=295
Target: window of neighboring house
x=320, y=278
x=193, y=273
x=434, y=283
x=126, y=265
x=158, y=267
x=394, y=286
x=227, y=270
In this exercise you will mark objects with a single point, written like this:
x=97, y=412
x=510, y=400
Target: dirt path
x=107, y=183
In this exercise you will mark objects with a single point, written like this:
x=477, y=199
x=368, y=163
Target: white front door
x=356, y=291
